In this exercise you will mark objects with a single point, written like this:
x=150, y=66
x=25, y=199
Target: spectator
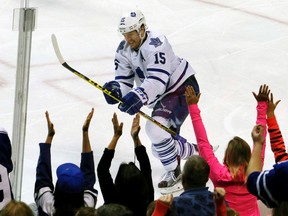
x=278, y=148
x=6, y=167
x=270, y=185
x=232, y=174
x=16, y=208
x=74, y=187
x=132, y=188
x=196, y=198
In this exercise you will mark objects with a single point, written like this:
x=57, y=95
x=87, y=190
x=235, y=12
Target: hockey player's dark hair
x=132, y=188
x=67, y=204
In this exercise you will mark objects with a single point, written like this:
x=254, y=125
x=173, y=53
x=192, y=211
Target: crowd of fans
x=238, y=183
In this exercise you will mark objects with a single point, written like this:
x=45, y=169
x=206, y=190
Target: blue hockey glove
x=114, y=88
x=133, y=101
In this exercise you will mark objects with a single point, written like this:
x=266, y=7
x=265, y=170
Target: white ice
x=235, y=46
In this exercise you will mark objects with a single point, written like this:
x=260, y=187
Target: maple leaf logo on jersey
x=156, y=42
x=121, y=46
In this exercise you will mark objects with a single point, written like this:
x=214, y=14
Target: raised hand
x=118, y=128
x=88, y=120
x=271, y=106
x=258, y=134
x=86, y=146
x=219, y=194
x=135, y=128
x=51, y=130
x=263, y=93
x=191, y=97
x=117, y=132
x=166, y=199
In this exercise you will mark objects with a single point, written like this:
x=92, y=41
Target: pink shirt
x=237, y=195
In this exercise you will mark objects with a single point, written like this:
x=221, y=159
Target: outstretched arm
x=142, y=156
x=87, y=165
x=204, y=146
x=44, y=183
x=276, y=139
x=108, y=189
x=255, y=163
x=262, y=104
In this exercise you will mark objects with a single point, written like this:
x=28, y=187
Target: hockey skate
x=214, y=148
x=171, y=181
x=170, y=177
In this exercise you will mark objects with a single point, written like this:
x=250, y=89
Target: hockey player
x=148, y=73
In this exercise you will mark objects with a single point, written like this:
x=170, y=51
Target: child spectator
x=74, y=187
x=232, y=174
x=270, y=185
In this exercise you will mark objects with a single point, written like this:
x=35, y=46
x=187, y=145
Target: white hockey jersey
x=154, y=67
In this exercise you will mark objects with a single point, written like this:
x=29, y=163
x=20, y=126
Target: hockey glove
x=114, y=88
x=133, y=101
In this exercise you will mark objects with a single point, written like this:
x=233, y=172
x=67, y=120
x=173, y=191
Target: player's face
x=133, y=39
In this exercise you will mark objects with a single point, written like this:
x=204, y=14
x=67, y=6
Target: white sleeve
x=4, y=187
x=124, y=74
x=45, y=200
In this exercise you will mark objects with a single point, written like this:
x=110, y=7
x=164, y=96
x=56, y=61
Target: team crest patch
x=121, y=46
x=155, y=42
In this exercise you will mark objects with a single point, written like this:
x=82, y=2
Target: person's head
x=133, y=27
x=5, y=150
x=69, y=190
x=195, y=172
x=16, y=208
x=237, y=156
x=132, y=187
x=86, y=211
x=113, y=209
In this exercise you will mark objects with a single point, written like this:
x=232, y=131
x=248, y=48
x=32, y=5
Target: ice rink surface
x=234, y=46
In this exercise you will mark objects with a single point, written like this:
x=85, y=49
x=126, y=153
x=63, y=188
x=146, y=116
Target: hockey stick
x=66, y=65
